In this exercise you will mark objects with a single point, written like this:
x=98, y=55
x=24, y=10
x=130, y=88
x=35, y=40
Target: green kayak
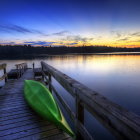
x=42, y=101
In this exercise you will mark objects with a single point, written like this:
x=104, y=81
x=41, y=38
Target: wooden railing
x=21, y=68
x=4, y=77
x=120, y=122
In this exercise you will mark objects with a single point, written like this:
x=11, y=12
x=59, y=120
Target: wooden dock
x=18, y=120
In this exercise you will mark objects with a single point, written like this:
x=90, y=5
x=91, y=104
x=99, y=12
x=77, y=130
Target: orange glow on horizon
x=126, y=41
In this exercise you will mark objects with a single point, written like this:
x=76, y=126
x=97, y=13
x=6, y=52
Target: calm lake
x=117, y=77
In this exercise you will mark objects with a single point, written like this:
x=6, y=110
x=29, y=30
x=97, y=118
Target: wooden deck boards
x=18, y=120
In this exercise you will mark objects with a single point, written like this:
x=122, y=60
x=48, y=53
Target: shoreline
x=33, y=56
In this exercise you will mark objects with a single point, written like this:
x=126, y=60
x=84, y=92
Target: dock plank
x=18, y=120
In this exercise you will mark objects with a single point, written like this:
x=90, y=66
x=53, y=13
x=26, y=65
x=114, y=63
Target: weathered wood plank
x=43, y=135
x=21, y=123
x=23, y=127
x=58, y=136
x=25, y=131
x=118, y=120
x=13, y=110
x=17, y=119
x=15, y=116
x=5, y=114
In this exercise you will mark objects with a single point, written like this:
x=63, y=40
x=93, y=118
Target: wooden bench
x=18, y=72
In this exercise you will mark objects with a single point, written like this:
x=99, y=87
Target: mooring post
x=18, y=72
x=4, y=70
x=79, y=117
x=22, y=69
x=33, y=69
x=33, y=65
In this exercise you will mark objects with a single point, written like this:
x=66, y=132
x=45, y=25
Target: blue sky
x=70, y=22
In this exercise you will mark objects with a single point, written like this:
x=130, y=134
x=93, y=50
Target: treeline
x=28, y=51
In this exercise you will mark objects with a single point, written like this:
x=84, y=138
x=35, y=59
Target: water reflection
x=114, y=76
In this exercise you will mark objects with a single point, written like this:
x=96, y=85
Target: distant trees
x=28, y=51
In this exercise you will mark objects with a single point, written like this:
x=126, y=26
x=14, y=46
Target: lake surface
x=117, y=77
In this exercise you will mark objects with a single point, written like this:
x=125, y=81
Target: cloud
x=124, y=39
x=116, y=33
x=18, y=29
x=71, y=43
x=135, y=34
x=34, y=43
x=62, y=33
x=5, y=43
x=14, y=28
x=63, y=43
x=77, y=38
x=39, y=43
x=11, y=28
x=133, y=41
x=132, y=46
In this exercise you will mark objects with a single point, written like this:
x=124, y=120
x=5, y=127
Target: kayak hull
x=43, y=102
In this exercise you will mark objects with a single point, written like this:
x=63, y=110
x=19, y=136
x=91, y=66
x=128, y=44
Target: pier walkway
x=18, y=120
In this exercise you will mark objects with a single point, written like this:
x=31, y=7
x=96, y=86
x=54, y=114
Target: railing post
x=23, y=67
x=33, y=65
x=20, y=69
x=42, y=73
x=79, y=116
x=50, y=80
x=26, y=66
x=4, y=70
x=17, y=71
x=33, y=69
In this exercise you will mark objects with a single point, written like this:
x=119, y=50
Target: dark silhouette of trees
x=28, y=51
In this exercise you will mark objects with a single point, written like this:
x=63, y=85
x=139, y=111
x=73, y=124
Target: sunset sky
x=70, y=22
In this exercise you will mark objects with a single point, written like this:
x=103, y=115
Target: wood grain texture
x=18, y=120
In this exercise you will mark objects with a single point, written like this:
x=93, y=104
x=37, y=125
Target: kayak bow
x=43, y=102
